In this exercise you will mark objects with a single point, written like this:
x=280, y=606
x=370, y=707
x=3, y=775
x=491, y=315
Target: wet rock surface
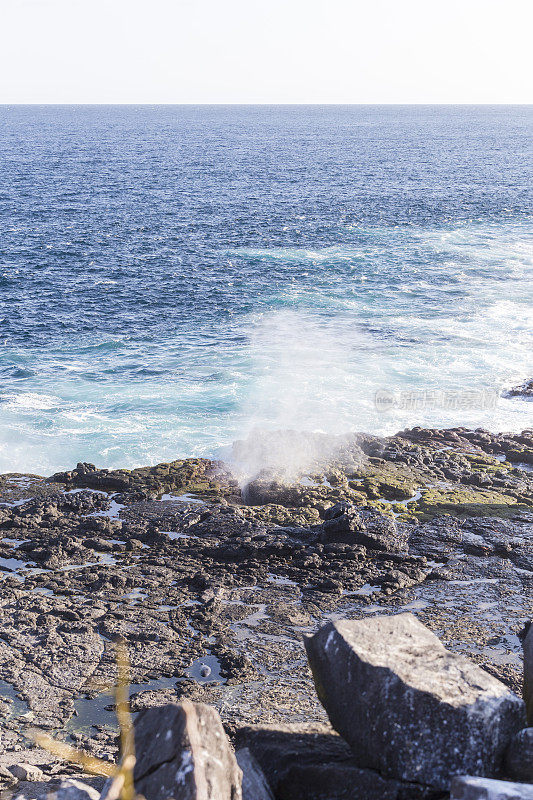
x=213, y=596
x=524, y=390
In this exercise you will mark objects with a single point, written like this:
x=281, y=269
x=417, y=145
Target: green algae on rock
x=468, y=502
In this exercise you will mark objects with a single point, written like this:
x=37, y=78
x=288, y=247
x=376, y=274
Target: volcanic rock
x=524, y=390
x=528, y=671
x=26, y=772
x=183, y=753
x=467, y=788
x=519, y=757
x=407, y=706
x=345, y=522
x=254, y=783
x=76, y=790
x=311, y=762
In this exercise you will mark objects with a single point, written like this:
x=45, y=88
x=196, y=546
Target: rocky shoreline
x=213, y=586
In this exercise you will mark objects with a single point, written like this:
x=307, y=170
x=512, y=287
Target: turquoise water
x=173, y=277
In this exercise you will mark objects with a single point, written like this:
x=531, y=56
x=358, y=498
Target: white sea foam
x=457, y=316
x=30, y=401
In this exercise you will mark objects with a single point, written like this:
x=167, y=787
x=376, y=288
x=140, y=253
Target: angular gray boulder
x=407, y=706
x=519, y=757
x=469, y=788
x=72, y=789
x=254, y=784
x=183, y=753
x=26, y=772
x=310, y=762
x=527, y=644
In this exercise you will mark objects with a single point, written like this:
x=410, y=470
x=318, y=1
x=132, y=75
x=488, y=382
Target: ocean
x=175, y=277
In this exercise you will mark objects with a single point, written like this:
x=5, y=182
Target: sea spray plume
x=268, y=460
x=305, y=379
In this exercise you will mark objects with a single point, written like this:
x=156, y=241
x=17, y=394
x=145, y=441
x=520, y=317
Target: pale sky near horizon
x=283, y=51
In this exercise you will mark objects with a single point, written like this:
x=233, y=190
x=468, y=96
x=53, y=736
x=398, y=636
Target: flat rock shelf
x=214, y=586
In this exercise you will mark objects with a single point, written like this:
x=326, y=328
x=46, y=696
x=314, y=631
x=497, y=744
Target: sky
x=281, y=51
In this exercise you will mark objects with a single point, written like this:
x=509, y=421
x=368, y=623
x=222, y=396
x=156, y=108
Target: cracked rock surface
x=213, y=587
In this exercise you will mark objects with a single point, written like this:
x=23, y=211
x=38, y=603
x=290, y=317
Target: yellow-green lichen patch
x=485, y=463
x=388, y=481
x=462, y=501
x=273, y=514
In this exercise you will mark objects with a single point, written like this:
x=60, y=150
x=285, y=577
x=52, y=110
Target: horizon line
x=267, y=104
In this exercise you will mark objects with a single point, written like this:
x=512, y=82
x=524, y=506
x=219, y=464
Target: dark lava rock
x=528, y=671
x=310, y=762
x=469, y=788
x=335, y=782
x=254, y=783
x=388, y=682
x=184, y=753
x=525, y=390
x=348, y=523
x=519, y=757
x=76, y=790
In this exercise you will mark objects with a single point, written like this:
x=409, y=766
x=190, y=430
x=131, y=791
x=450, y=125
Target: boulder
x=527, y=644
x=335, y=782
x=408, y=707
x=183, y=753
x=519, y=757
x=254, y=783
x=311, y=761
x=26, y=772
x=6, y=777
x=76, y=790
x=347, y=523
x=468, y=788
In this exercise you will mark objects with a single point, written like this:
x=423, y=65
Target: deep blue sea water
x=172, y=277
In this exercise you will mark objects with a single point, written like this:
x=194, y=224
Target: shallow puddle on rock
x=13, y=564
x=309, y=482
x=417, y=495
x=416, y=605
x=107, y=559
x=206, y=670
x=113, y=512
x=17, y=707
x=177, y=535
x=365, y=591
x=136, y=594
x=241, y=628
x=14, y=543
x=279, y=580
x=182, y=498
x=16, y=503
x=97, y=711
x=524, y=467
